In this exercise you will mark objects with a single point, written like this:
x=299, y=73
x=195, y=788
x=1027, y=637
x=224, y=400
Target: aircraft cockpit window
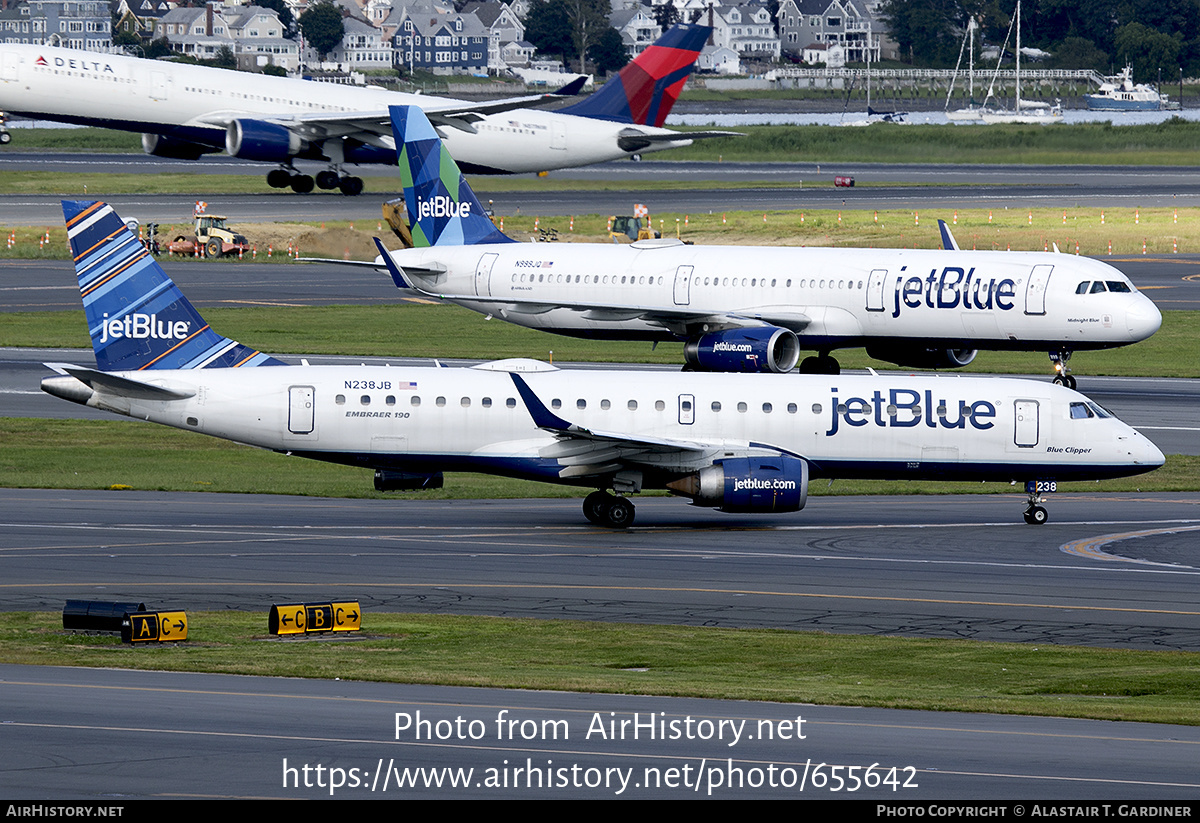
x=1080, y=411
x=1098, y=287
x=1099, y=410
x=1083, y=287
x=1118, y=286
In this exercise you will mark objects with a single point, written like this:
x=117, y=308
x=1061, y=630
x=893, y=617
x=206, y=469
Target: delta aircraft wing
x=754, y=308
x=738, y=443
x=185, y=111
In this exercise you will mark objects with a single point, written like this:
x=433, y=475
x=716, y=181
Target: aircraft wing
x=587, y=452
x=375, y=127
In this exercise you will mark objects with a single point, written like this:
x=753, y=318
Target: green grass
x=123, y=453
x=785, y=666
x=402, y=330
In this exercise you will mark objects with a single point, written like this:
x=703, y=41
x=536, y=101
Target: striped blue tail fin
x=136, y=315
x=442, y=209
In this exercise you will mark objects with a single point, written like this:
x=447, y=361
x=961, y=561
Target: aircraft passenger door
x=483, y=275
x=1035, y=290
x=158, y=85
x=875, y=289
x=12, y=61
x=301, y=414
x=1026, y=423
x=687, y=409
x=558, y=135
x=683, y=285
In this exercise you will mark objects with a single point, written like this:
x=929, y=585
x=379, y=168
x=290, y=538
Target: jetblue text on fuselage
x=906, y=408
x=442, y=206
x=953, y=288
x=142, y=327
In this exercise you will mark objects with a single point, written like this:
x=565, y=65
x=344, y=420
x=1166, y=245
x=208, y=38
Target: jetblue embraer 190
x=736, y=442
x=753, y=308
x=186, y=111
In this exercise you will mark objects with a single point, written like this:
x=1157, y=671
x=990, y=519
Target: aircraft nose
x=1144, y=452
x=1143, y=319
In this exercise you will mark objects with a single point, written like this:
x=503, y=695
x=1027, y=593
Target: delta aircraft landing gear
x=606, y=509
x=1062, y=373
x=286, y=176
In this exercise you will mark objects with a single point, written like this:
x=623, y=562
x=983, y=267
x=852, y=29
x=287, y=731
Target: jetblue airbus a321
x=736, y=442
x=754, y=308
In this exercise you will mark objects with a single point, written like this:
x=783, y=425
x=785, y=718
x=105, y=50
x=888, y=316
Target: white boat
x=1120, y=93
x=1029, y=112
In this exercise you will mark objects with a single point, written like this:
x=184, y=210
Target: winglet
x=394, y=270
x=571, y=89
x=543, y=418
x=442, y=209
x=138, y=318
x=948, y=242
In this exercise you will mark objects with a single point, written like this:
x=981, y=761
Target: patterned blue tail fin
x=136, y=315
x=442, y=209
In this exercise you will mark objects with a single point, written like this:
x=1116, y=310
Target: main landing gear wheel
x=1036, y=516
x=823, y=364
x=351, y=186
x=279, y=178
x=327, y=179
x=301, y=183
x=604, y=509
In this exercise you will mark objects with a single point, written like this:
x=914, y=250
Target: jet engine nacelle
x=766, y=349
x=748, y=485
x=162, y=146
x=389, y=481
x=259, y=140
x=920, y=357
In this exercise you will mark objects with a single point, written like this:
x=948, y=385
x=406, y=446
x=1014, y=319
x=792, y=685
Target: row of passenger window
x=642, y=280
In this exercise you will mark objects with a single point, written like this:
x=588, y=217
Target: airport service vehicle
x=745, y=443
x=212, y=236
x=754, y=308
x=186, y=111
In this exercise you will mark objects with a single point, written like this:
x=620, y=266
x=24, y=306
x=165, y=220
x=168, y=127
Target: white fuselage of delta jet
x=184, y=101
x=829, y=297
x=474, y=419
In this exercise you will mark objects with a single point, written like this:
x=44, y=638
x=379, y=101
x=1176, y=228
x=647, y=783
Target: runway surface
x=1109, y=570
x=109, y=736
x=792, y=186
x=953, y=566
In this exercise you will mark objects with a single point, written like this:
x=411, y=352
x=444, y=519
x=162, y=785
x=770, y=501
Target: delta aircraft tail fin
x=645, y=90
x=137, y=317
x=442, y=209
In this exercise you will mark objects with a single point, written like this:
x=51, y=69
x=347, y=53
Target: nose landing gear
x=1062, y=372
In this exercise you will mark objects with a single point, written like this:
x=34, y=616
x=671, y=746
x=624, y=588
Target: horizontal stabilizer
x=121, y=386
